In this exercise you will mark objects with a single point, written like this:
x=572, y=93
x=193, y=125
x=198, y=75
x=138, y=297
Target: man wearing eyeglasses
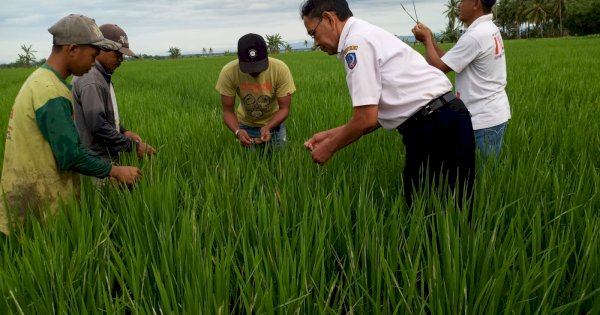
x=393, y=87
x=96, y=108
x=43, y=156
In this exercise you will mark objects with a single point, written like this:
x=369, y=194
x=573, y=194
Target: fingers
x=265, y=137
x=128, y=175
x=244, y=138
x=308, y=145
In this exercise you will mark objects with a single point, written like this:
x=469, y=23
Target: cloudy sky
x=155, y=25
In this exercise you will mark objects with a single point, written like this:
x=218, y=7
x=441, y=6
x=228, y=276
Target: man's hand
x=422, y=33
x=316, y=139
x=244, y=138
x=133, y=136
x=322, y=153
x=128, y=175
x=144, y=149
x=265, y=134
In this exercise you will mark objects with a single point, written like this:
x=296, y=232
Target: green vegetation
x=215, y=229
x=539, y=18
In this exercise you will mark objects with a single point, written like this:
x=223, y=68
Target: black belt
x=431, y=107
x=434, y=105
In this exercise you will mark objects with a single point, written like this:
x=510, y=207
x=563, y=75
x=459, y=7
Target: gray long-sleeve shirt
x=95, y=117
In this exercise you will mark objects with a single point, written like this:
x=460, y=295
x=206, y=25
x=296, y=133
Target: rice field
x=216, y=229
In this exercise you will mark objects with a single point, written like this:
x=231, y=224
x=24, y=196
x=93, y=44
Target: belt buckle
x=427, y=110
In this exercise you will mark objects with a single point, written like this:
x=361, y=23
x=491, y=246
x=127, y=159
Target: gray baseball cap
x=82, y=30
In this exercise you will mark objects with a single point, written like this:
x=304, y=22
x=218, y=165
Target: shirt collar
x=48, y=67
x=107, y=76
x=482, y=19
x=345, y=33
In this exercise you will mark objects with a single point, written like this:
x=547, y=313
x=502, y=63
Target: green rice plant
x=214, y=228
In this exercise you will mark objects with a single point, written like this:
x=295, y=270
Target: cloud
x=155, y=25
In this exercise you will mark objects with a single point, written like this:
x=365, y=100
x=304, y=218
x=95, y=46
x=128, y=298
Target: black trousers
x=440, y=152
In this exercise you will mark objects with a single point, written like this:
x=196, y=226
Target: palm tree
x=204, y=51
x=28, y=56
x=305, y=43
x=174, y=52
x=452, y=14
x=210, y=51
x=288, y=48
x=558, y=9
x=536, y=13
x=452, y=9
x=274, y=42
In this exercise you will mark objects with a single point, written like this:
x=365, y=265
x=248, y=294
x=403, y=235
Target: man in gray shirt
x=96, y=109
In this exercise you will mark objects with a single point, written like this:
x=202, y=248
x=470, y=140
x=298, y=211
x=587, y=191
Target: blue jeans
x=489, y=140
x=278, y=135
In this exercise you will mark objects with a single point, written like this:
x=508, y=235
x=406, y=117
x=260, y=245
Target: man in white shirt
x=480, y=65
x=392, y=86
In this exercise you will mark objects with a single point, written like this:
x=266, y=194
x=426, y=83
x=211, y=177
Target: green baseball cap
x=82, y=30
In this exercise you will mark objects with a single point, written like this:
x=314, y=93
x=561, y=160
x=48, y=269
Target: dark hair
x=315, y=8
x=486, y=9
x=487, y=5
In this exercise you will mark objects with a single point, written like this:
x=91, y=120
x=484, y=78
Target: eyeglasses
x=312, y=33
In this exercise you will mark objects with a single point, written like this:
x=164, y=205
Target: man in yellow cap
x=43, y=156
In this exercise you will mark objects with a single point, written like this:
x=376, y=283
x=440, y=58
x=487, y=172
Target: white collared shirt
x=480, y=65
x=383, y=70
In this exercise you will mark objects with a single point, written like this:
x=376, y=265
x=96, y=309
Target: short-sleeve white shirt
x=382, y=70
x=480, y=65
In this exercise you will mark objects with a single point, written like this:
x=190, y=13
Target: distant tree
x=305, y=43
x=274, y=43
x=536, y=13
x=452, y=31
x=210, y=51
x=558, y=10
x=288, y=48
x=174, y=52
x=204, y=51
x=27, y=58
x=583, y=17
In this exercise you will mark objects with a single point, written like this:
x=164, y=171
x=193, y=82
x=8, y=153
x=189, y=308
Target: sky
x=191, y=25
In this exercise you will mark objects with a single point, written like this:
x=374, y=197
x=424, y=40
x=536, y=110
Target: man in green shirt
x=264, y=86
x=43, y=156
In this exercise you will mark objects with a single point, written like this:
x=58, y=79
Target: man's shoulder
x=483, y=30
x=363, y=32
x=43, y=84
x=233, y=65
x=92, y=76
x=277, y=63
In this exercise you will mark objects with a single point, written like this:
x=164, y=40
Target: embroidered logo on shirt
x=350, y=48
x=351, y=60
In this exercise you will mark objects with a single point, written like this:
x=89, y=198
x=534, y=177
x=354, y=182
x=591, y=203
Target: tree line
x=534, y=18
